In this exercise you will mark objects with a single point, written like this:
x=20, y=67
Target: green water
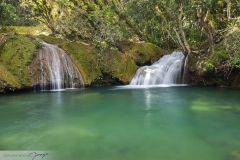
x=178, y=123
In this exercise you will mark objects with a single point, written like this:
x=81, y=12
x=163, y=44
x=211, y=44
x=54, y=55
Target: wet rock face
x=52, y=68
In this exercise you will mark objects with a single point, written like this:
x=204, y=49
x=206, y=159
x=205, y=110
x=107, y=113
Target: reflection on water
x=56, y=106
x=147, y=95
x=143, y=124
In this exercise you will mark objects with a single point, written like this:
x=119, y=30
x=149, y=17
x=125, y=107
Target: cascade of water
x=185, y=69
x=167, y=70
x=56, y=69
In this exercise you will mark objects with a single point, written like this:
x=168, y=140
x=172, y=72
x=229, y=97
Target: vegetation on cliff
x=199, y=28
x=16, y=55
x=98, y=67
x=7, y=80
x=221, y=68
x=109, y=39
x=13, y=12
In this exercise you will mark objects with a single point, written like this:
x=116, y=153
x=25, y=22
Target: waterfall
x=168, y=70
x=185, y=70
x=55, y=69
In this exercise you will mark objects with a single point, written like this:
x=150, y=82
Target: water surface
x=175, y=123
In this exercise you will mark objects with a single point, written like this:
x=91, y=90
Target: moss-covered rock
x=145, y=53
x=119, y=65
x=109, y=65
x=17, y=54
x=97, y=67
x=93, y=64
x=7, y=80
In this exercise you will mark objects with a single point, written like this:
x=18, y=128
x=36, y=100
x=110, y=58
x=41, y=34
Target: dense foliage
x=187, y=24
x=207, y=28
x=12, y=12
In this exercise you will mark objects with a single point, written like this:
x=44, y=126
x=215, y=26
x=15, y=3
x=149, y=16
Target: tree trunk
x=179, y=39
x=208, y=29
x=180, y=22
x=229, y=4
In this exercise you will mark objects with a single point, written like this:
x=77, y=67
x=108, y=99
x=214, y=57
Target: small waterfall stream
x=168, y=70
x=55, y=69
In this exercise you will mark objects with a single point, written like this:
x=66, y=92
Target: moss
x=143, y=53
x=119, y=65
x=17, y=54
x=27, y=30
x=123, y=66
x=7, y=80
x=94, y=65
x=87, y=60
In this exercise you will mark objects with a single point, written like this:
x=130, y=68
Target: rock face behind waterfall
x=53, y=69
x=167, y=70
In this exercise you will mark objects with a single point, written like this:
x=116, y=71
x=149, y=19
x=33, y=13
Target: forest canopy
x=187, y=24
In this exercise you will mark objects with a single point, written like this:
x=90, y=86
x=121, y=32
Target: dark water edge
x=36, y=89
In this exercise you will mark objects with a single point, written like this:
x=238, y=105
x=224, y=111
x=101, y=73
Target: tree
x=192, y=25
x=44, y=11
x=7, y=13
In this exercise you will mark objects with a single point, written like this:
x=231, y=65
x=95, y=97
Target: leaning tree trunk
x=183, y=35
x=179, y=39
x=229, y=5
x=208, y=29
